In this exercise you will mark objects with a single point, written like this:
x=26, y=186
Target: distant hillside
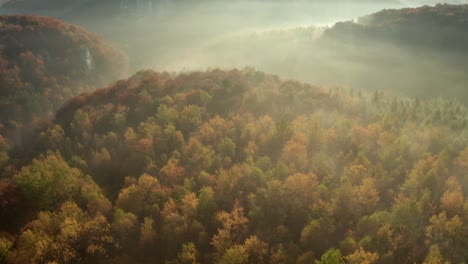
x=442, y=27
x=43, y=62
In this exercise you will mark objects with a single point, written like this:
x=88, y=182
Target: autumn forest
x=229, y=165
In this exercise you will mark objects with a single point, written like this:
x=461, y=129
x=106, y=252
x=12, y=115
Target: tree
x=237, y=183
x=188, y=254
x=234, y=255
x=269, y=208
x=332, y=256
x=5, y=247
x=143, y=197
x=50, y=181
x=206, y=203
x=180, y=225
x=190, y=118
x=256, y=250
x=54, y=137
x=98, y=238
x=214, y=130
x=295, y=154
x=278, y=256
x=68, y=236
x=343, y=202
x=449, y=234
x=189, y=207
x=434, y=256
x=172, y=173
x=174, y=228
x=317, y=235
x=166, y=115
x=197, y=158
x=462, y=160
x=301, y=194
x=452, y=200
x=233, y=231
x=365, y=197
x=126, y=228
x=148, y=236
x=362, y=257
x=227, y=148
x=407, y=218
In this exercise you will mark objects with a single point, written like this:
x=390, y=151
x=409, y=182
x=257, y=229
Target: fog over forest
x=281, y=37
x=233, y=132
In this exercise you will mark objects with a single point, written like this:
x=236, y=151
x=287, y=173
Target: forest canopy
x=205, y=167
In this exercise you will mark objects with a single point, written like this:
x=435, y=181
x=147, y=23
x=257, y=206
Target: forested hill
x=442, y=27
x=239, y=167
x=43, y=62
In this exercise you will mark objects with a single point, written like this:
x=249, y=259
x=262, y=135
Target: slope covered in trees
x=239, y=167
x=43, y=62
x=429, y=44
x=440, y=27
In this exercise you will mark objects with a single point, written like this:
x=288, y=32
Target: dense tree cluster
x=44, y=62
x=239, y=167
x=437, y=27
